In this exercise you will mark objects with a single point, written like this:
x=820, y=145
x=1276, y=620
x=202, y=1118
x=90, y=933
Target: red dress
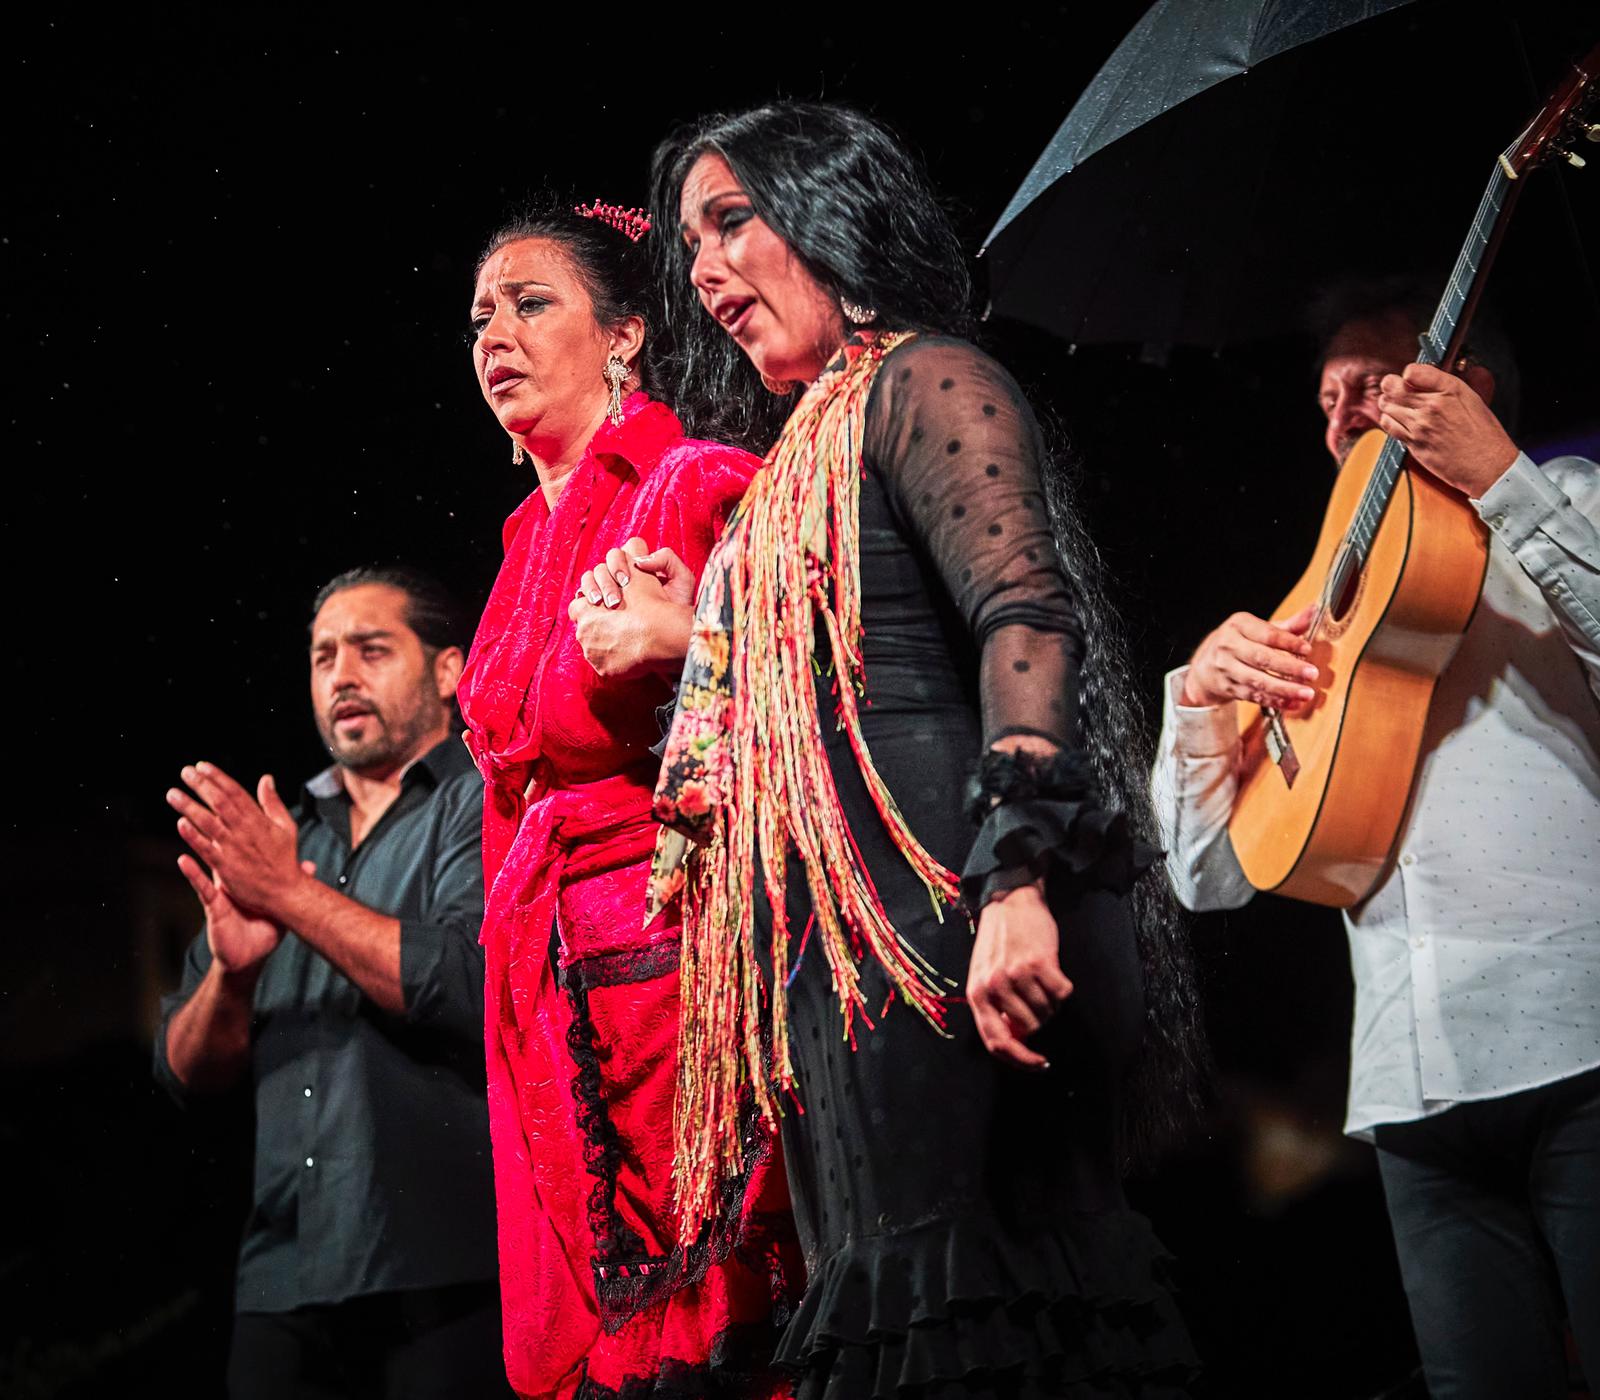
x=599, y=1299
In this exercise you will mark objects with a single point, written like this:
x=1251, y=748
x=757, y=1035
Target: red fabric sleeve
x=701, y=483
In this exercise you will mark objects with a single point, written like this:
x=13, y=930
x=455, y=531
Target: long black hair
x=856, y=208
x=614, y=269
x=1167, y=1082
x=432, y=611
x=859, y=212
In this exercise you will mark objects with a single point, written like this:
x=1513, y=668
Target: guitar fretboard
x=1441, y=344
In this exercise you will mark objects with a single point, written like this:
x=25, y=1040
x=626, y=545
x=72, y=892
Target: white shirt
x=1477, y=959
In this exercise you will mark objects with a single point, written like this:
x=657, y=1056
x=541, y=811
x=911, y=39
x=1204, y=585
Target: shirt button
x=1408, y=859
x=1419, y=941
x=1497, y=521
x=308, y=1091
x=344, y=879
x=311, y=1161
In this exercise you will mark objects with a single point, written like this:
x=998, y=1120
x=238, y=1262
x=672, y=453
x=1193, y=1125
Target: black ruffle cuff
x=1040, y=817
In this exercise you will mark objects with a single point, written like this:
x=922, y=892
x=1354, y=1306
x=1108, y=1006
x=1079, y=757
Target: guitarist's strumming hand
x=1446, y=425
x=1248, y=658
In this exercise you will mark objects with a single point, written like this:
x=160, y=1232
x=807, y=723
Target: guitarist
x=1476, y=1046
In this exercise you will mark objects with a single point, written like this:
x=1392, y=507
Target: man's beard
x=391, y=743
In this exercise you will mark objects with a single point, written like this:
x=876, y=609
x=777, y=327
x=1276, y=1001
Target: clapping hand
x=248, y=843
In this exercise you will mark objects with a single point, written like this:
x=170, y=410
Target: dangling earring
x=777, y=386
x=616, y=373
x=518, y=457
x=858, y=315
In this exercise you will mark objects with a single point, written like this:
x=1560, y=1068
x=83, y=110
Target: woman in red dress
x=581, y=996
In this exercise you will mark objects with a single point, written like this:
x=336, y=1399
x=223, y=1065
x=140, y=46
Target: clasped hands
x=250, y=846
x=633, y=612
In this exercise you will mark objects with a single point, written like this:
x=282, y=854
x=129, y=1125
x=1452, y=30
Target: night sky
x=237, y=251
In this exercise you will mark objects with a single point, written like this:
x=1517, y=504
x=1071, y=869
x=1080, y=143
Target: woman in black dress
x=895, y=675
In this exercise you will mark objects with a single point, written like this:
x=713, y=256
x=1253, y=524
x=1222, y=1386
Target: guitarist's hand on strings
x=1445, y=423
x=1248, y=658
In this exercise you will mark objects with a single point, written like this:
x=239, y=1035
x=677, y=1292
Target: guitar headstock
x=1562, y=122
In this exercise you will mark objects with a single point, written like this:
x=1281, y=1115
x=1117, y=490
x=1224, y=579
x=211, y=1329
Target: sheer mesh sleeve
x=960, y=455
x=958, y=450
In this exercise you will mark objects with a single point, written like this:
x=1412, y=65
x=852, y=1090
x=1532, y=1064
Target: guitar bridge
x=1279, y=749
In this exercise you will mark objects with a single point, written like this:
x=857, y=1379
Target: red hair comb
x=632, y=223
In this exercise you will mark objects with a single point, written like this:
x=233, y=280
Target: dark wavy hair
x=432, y=611
x=858, y=210
x=854, y=205
x=615, y=271
x=1168, y=1080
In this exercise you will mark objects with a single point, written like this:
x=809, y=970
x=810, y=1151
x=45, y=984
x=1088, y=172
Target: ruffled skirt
x=963, y=1222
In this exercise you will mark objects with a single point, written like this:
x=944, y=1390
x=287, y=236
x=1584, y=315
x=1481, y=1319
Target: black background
x=237, y=257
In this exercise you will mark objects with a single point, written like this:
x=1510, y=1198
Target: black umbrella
x=1221, y=165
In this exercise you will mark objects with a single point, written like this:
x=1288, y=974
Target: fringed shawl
x=746, y=775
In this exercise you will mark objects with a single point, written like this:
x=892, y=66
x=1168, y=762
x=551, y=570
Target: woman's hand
x=1015, y=981
x=633, y=612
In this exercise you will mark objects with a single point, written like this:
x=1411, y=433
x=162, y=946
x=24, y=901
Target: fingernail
x=1309, y=672
x=1307, y=694
x=622, y=578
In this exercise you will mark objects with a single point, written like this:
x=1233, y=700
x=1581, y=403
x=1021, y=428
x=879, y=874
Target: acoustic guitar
x=1395, y=579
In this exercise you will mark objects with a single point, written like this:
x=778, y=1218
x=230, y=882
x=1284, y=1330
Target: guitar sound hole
x=1345, y=584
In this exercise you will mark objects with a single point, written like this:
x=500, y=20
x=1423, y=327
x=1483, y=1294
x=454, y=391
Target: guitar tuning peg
x=1592, y=130
x=1573, y=159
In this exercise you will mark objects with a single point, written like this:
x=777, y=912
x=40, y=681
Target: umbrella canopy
x=1221, y=166
x=1177, y=51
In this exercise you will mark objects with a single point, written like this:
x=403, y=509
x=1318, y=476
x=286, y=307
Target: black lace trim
x=627, y=965
x=1018, y=775
x=629, y=1279
x=602, y=1147
x=740, y=1367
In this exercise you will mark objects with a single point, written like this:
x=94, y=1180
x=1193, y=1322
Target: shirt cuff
x=434, y=979
x=666, y=713
x=1201, y=731
x=161, y=1066
x=1520, y=502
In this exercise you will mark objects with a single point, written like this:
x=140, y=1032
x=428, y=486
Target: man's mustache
x=350, y=704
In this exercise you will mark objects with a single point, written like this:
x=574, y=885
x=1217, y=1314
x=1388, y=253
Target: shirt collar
x=647, y=430
x=443, y=761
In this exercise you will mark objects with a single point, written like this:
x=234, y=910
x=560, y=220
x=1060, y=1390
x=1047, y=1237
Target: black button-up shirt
x=372, y=1165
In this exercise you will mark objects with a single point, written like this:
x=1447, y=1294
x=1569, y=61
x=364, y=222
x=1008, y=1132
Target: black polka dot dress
x=965, y=1229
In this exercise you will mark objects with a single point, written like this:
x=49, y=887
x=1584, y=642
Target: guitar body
x=1327, y=836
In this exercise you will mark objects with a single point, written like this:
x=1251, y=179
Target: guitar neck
x=1442, y=342
x=1447, y=332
